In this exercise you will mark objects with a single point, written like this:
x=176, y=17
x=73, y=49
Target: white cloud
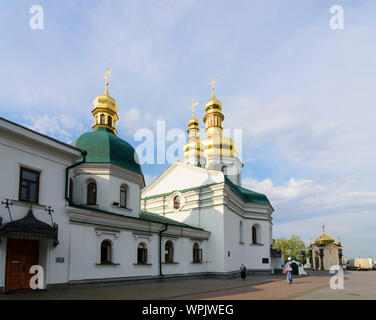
x=135, y=119
x=63, y=127
x=302, y=206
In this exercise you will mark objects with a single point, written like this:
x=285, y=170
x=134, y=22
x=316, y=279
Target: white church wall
x=87, y=239
x=248, y=253
x=108, y=192
x=181, y=176
x=183, y=256
x=46, y=159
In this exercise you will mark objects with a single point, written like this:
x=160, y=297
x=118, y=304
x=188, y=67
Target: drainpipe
x=84, y=154
x=160, y=248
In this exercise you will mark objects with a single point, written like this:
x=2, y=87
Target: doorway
x=21, y=255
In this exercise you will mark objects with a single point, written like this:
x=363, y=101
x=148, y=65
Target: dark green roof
x=103, y=146
x=146, y=216
x=247, y=195
x=162, y=219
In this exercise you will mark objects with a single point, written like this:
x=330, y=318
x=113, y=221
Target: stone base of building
x=109, y=282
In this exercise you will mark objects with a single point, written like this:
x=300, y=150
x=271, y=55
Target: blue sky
x=302, y=93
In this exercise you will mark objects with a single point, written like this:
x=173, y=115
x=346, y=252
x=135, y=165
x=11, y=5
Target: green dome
x=102, y=145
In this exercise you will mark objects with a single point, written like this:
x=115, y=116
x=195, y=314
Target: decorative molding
x=138, y=237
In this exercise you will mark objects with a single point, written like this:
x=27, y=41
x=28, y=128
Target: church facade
x=83, y=214
x=325, y=252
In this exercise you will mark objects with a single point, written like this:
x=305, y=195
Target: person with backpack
x=243, y=271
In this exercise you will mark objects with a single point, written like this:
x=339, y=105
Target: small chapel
x=325, y=252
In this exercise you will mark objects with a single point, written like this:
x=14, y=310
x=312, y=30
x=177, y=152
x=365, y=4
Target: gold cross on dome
x=323, y=228
x=213, y=82
x=193, y=106
x=107, y=75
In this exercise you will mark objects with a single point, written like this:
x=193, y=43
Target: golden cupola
x=215, y=143
x=193, y=150
x=213, y=114
x=105, y=109
x=324, y=238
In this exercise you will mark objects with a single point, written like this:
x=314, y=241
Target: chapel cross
x=213, y=82
x=107, y=75
x=193, y=106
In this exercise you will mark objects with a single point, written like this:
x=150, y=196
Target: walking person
x=243, y=271
x=288, y=271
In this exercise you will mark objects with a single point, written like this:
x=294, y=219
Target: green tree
x=293, y=247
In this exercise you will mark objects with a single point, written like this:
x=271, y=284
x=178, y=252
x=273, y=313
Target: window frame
x=37, y=183
x=254, y=234
x=142, y=253
x=108, y=252
x=176, y=202
x=125, y=197
x=95, y=193
x=197, y=253
x=169, y=256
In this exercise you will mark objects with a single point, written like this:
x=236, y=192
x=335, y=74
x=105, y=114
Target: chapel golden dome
x=193, y=124
x=105, y=109
x=324, y=238
x=213, y=104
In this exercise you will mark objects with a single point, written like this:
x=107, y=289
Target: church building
x=325, y=252
x=81, y=211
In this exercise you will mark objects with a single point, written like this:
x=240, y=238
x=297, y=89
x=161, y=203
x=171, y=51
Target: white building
x=193, y=220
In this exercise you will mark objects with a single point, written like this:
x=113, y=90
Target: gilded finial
x=212, y=83
x=193, y=106
x=323, y=228
x=106, y=76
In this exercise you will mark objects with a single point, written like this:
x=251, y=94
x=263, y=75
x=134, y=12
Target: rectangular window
x=29, y=185
x=265, y=260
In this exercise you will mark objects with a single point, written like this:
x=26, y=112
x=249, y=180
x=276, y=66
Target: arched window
x=123, y=196
x=142, y=253
x=169, y=252
x=241, y=240
x=197, y=253
x=92, y=193
x=254, y=235
x=106, y=254
x=109, y=121
x=177, y=202
x=102, y=117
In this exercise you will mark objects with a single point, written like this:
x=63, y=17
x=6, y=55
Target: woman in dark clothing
x=243, y=271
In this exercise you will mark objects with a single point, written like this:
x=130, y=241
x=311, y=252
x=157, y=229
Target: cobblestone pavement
x=143, y=291
x=357, y=285
x=276, y=290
